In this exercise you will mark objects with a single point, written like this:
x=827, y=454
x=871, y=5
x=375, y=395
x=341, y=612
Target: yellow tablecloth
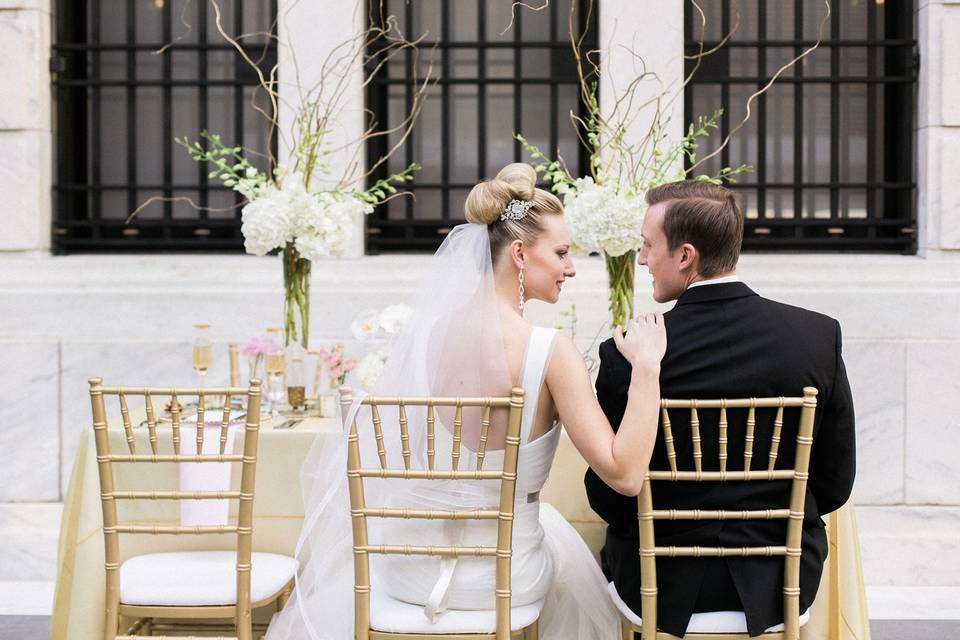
x=839, y=612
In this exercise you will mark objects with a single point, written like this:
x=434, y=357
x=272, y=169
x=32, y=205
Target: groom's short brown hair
x=708, y=216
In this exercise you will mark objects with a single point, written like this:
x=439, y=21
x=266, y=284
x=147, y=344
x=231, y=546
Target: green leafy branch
x=384, y=189
x=230, y=165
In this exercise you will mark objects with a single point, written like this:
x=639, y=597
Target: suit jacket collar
x=714, y=292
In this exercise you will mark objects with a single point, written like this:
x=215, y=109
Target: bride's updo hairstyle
x=487, y=200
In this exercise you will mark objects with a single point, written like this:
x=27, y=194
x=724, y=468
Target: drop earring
x=520, y=289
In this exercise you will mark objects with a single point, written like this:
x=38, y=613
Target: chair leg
x=532, y=632
x=626, y=629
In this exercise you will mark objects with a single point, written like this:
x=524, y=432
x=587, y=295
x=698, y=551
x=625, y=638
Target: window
x=490, y=85
x=832, y=141
x=120, y=104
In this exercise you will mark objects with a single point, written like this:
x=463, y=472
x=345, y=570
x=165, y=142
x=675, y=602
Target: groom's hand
x=645, y=341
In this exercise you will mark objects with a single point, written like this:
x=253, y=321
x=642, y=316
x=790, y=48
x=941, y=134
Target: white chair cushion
x=393, y=616
x=711, y=622
x=199, y=578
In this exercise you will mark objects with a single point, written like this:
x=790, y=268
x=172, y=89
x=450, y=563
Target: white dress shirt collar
x=721, y=280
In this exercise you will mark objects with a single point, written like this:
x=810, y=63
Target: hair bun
x=488, y=199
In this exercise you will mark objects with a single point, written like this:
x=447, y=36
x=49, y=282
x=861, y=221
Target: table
x=839, y=612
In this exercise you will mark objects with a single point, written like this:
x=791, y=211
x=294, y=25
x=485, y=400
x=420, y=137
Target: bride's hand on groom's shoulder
x=644, y=342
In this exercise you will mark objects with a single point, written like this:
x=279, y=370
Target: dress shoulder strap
x=539, y=348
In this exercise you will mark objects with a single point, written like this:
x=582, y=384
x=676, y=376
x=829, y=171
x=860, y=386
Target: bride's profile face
x=548, y=262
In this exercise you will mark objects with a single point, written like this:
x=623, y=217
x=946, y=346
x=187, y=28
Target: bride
x=467, y=337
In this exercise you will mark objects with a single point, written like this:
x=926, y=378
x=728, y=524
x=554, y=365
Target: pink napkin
x=206, y=476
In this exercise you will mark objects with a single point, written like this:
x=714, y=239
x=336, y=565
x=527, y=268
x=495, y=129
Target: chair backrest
x=107, y=457
x=360, y=511
x=793, y=512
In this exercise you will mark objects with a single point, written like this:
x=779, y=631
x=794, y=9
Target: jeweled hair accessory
x=516, y=210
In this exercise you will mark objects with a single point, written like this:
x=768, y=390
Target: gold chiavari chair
x=158, y=587
x=713, y=627
x=505, y=621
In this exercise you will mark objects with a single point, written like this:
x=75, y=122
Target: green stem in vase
x=620, y=281
x=296, y=286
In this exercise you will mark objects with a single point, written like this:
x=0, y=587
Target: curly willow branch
x=189, y=201
x=764, y=89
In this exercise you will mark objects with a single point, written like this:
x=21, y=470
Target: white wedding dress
x=550, y=560
x=451, y=347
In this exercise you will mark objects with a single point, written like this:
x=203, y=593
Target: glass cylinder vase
x=620, y=271
x=296, y=297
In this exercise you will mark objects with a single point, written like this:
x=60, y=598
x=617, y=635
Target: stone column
x=653, y=32
x=25, y=125
x=938, y=127
x=312, y=34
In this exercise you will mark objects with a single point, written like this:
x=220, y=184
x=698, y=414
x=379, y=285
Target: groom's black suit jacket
x=723, y=340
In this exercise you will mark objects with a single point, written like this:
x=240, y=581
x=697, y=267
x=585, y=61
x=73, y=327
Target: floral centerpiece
x=605, y=207
x=336, y=364
x=306, y=206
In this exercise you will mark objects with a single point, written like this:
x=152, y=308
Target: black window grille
x=832, y=141
x=492, y=81
x=120, y=103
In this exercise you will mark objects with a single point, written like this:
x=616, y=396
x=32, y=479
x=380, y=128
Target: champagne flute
x=274, y=364
x=202, y=352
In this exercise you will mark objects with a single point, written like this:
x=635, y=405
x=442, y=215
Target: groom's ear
x=689, y=257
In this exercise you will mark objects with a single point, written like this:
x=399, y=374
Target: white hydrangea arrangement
x=283, y=213
x=603, y=218
x=318, y=224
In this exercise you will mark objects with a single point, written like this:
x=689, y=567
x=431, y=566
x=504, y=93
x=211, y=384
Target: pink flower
x=259, y=345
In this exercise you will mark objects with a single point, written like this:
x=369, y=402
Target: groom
x=724, y=341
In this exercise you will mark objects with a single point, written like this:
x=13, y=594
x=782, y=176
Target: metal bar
x=871, y=117
x=238, y=111
x=418, y=474
x=167, y=99
x=437, y=402
x=468, y=44
x=426, y=551
x=175, y=458
x=798, y=118
x=202, y=112
x=132, y=130
x=481, y=82
x=725, y=89
x=176, y=495
x=723, y=514
x=96, y=98
x=761, y=112
x=738, y=403
x=472, y=514
x=554, y=88
x=718, y=552
x=517, y=76
x=804, y=43
x=545, y=81
x=445, y=131
x=415, y=136
x=835, y=113
x=175, y=531
x=721, y=476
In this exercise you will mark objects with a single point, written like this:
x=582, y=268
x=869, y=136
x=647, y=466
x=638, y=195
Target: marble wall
x=128, y=320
